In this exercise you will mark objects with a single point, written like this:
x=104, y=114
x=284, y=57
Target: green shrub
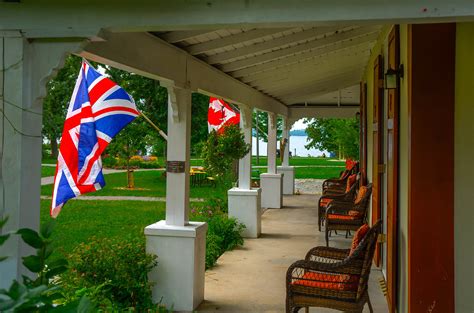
x=223, y=233
x=119, y=267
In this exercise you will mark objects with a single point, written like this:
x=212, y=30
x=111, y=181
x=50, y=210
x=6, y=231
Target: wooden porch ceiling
x=312, y=66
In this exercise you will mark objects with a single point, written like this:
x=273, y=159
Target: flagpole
x=162, y=133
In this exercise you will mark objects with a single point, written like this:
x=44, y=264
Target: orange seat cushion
x=358, y=236
x=361, y=194
x=325, y=202
x=350, y=181
x=341, y=217
x=328, y=281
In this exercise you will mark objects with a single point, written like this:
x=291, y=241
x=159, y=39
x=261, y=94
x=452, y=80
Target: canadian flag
x=220, y=114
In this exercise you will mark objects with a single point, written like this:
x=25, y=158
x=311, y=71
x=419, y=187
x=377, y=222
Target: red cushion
x=361, y=194
x=350, y=181
x=358, y=236
x=325, y=202
x=328, y=281
x=341, y=217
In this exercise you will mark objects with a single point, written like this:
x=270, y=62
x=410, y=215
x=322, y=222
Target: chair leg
x=306, y=309
x=327, y=236
x=371, y=310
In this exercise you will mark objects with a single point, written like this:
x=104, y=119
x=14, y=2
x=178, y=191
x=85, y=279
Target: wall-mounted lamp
x=392, y=77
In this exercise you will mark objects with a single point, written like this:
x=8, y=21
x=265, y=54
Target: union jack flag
x=98, y=110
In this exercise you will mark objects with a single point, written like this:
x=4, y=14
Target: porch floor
x=252, y=278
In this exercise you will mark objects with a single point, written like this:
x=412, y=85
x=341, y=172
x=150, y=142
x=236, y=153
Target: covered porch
x=313, y=60
x=251, y=279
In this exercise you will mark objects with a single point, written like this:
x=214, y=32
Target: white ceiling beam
x=152, y=57
x=324, y=86
x=177, y=36
x=152, y=15
x=252, y=61
x=232, y=40
x=322, y=112
x=311, y=98
x=271, y=44
x=295, y=82
x=318, y=57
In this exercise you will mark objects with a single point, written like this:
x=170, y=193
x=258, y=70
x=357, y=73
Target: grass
x=301, y=161
x=310, y=172
x=147, y=183
x=80, y=220
x=47, y=171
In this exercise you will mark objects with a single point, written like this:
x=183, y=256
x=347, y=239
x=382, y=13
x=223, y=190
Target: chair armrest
x=339, y=208
x=327, y=253
x=346, y=266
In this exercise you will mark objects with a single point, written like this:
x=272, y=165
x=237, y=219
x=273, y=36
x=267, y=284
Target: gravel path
x=309, y=186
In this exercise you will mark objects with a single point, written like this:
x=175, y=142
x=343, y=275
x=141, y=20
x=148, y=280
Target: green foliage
x=56, y=102
x=112, y=162
x=39, y=294
x=114, y=272
x=260, y=122
x=221, y=150
x=224, y=233
x=339, y=136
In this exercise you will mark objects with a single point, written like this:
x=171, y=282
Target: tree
x=56, y=102
x=339, y=136
x=262, y=124
x=222, y=150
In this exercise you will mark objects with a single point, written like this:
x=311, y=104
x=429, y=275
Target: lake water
x=297, y=147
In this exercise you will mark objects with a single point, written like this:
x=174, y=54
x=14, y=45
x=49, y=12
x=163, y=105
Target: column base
x=245, y=206
x=272, y=190
x=288, y=179
x=178, y=279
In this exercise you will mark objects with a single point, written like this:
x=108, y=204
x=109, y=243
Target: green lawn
x=47, y=171
x=79, y=220
x=311, y=172
x=147, y=183
x=295, y=161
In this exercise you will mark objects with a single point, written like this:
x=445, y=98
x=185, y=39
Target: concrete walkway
x=252, y=278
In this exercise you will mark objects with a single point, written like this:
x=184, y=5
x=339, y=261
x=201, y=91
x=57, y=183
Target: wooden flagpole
x=162, y=133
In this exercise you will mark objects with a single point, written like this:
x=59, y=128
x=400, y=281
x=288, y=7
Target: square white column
x=285, y=169
x=25, y=68
x=271, y=182
x=272, y=143
x=178, y=156
x=178, y=279
x=245, y=206
x=244, y=201
x=179, y=244
x=272, y=190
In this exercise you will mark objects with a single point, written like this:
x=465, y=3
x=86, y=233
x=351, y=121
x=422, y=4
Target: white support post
x=285, y=168
x=272, y=143
x=271, y=182
x=25, y=68
x=178, y=156
x=245, y=164
x=245, y=201
x=180, y=245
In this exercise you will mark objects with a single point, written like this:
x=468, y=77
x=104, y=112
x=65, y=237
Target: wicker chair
x=348, y=196
x=305, y=287
x=348, y=216
x=340, y=183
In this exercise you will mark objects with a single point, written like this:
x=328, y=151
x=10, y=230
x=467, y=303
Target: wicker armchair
x=324, y=201
x=340, y=183
x=348, y=216
x=312, y=282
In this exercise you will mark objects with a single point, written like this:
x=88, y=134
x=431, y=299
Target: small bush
x=223, y=233
x=120, y=268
